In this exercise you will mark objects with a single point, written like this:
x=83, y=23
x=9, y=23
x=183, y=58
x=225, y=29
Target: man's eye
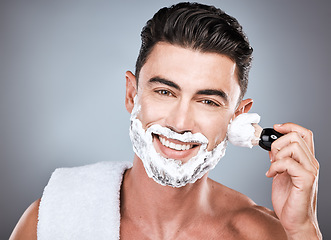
x=210, y=103
x=164, y=92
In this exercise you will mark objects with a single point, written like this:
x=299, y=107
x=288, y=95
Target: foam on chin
x=172, y=172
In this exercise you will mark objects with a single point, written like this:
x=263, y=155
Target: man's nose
x=181, y=118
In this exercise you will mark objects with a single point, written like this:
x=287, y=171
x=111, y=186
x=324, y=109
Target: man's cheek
x=151, y=114
x=214, y=141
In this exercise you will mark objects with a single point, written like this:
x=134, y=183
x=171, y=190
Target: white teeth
x=178, y=147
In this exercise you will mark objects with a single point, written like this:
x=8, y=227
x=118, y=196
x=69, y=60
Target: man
x=191, y=76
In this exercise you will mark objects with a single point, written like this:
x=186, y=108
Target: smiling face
x=186, y=91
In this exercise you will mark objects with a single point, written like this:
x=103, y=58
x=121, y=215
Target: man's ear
x=244, y=107
x=131, y=90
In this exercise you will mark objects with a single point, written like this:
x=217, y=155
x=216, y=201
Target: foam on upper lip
x=186, y=137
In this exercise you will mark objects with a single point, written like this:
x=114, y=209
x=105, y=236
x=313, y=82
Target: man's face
x=187, y=91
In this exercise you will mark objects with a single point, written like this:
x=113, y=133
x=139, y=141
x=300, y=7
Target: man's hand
x=294, y=190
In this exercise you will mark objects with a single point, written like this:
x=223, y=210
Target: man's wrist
x=310, y=232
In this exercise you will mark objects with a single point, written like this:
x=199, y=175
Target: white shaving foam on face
x=241, y=131
x=166, y=171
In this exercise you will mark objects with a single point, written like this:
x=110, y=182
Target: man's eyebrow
x=164, y=81
x=216, y=92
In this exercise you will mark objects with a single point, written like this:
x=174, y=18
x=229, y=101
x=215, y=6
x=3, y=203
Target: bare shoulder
x=256, y=222
x=244, y=218
x=26, y=228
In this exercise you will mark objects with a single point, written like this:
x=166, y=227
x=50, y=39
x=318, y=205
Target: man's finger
x=306, y=134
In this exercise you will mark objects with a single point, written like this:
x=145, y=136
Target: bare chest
x=201, y=230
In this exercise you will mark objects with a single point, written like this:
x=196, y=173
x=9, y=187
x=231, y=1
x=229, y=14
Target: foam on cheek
x=241, y=131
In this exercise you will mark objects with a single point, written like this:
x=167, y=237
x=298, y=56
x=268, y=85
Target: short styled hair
x=198, y=27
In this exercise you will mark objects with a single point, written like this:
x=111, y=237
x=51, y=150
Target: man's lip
x=176, y=141
x=169, y=152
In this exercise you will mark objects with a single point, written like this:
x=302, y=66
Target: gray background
x=62, y=89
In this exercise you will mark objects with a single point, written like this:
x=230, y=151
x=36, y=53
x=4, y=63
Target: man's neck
x=161, y=207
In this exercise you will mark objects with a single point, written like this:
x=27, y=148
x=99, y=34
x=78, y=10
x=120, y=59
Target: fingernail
x=267, y=173
x=278, y=125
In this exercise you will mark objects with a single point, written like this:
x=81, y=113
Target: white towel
x=82, y=203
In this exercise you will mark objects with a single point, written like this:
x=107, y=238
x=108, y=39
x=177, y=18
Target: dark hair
x=198, y=27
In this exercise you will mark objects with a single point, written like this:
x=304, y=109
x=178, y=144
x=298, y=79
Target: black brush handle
x=268, y=136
